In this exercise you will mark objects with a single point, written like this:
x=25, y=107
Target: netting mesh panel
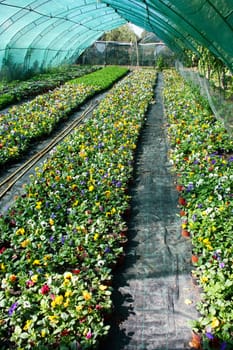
x=221, y=106
x=130, y=54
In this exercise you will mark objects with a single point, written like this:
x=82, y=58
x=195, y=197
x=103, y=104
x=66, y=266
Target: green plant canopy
x=43, y=33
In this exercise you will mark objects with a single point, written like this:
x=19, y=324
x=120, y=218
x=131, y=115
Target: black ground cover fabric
x=154, y=294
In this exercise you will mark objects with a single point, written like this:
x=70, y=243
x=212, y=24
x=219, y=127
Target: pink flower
x=30, y=283
x=45, y=289
x=89, y=335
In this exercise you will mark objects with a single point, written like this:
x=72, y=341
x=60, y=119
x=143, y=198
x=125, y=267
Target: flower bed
x=201, y=153
x=62, y=238
x=20, y=90
x=39, y=117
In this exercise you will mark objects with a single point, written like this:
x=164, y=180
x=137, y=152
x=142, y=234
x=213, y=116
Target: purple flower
x=209, y=335
x=107, y=250
x=12, y=308
x=200, y=206
x=51, y=239
x=223, y=346
x=118, y=184
x=189, y=187
x=194, y=217
x=221, y=265
x=63, y=238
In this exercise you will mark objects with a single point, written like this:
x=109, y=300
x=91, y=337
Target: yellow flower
x=113, y=211
x=27, y=325
x=86, y=295
x=102, y=287
x=53, y=318
x=82, y=153
x=75, y=203
x=68, y=293
x=51, y=222
x=215, y=322
x=67, y=275
x=34, y=278
x=36, y=262
x=204, y=279
x=107, y=194
x=25, y=243
x=20, y=231
x=79, y=308
x=206, y=241
x=58, y=300
x=66, y=303
x=38, y=205
x=96, y=236
x=47, y=257
x=91, y=188
x=43, y=333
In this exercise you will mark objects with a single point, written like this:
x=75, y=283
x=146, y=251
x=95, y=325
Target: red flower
x=45, y=289
x=65, y=332
x=182, y=201
x=75, y=271
x=2, y=250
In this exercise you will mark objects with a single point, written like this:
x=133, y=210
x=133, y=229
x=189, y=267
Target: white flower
x=100, y=263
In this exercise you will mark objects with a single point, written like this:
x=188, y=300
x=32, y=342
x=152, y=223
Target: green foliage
x=123, y=34
x=102, y=78
x=11, y=92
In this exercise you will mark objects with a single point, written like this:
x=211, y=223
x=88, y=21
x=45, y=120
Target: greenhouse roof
x=51, y=32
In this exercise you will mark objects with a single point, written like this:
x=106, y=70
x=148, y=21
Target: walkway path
x=154, y=295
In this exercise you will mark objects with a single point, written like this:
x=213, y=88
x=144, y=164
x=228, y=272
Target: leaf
x=64, y=316
x=24, y=335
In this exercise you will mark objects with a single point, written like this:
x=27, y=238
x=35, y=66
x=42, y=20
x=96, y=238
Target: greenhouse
x=116, y=177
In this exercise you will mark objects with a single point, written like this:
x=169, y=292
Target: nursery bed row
x=61, y=238
x=15, y=91
x=35, y=119
x=201, y=154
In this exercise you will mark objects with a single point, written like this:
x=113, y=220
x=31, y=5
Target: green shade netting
x=44, y=33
